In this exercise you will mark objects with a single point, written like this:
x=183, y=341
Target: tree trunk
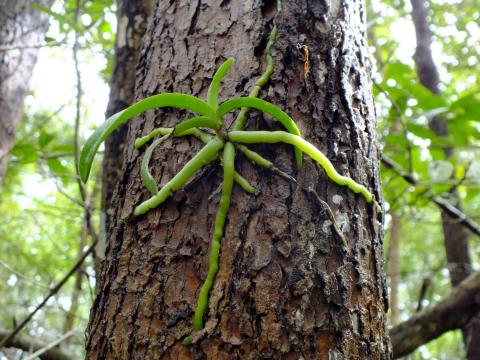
x=286, y=287
x=21, y=29
x=454, y=233
x=132, y=22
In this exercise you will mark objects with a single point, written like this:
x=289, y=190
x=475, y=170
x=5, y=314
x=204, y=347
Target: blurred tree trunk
x=286, y=287
x=132, y=18
x=455, y=234
x=21, y=29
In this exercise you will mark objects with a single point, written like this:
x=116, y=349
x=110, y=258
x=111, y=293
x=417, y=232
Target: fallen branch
x=453, y=312
x=28, y=343
x=40, y=352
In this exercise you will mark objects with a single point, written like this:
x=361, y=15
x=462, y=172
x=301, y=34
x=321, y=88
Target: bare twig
x=37, y=46
x=24, y=277
x=47, y=347
x=325, y=206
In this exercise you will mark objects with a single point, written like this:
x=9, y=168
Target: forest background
x=427, y=167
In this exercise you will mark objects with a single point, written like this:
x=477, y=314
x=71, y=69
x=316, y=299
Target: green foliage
x=405, y=109
x=42, y=219
x=40, y=228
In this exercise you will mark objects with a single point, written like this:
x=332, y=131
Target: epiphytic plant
x=220, y=142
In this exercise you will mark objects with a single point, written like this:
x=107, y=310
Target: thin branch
x=450, y=209
x=52, y=292
x=24, y=277
x=423, y=292
x=47, y=347
x=69, y=197
x=56, y=155
x=77, y=287
x=37, y=46
x=87, y=227
x=28, y=343
x=81, y=187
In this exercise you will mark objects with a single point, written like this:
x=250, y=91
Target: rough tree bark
x=285, y=288
x=455, y=235
x=21, y=29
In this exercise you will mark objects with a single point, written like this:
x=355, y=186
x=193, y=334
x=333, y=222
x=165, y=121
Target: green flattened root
x=204, y=157
x=272, y=110
x=228, y=171
x=251, y=137
x=187, y=341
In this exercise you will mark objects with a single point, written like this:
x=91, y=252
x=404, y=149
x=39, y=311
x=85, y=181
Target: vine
x=220, y=143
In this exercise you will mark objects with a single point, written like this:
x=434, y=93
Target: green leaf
x=421, y=131
x=467, y=107
x=25, y=153
x=45, y=138
x=56, y=166
x=425, y=98
x=212, y=96
x=462, y=131
x=430, y=114
x=177, y=100
x=399, y=72
x=395, y=141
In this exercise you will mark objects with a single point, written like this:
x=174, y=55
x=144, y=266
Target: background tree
x=455, y=236
x=22, y=29
x=41, y=203
x=424, y=172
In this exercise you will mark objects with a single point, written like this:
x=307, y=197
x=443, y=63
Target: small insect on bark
x=306, y=64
